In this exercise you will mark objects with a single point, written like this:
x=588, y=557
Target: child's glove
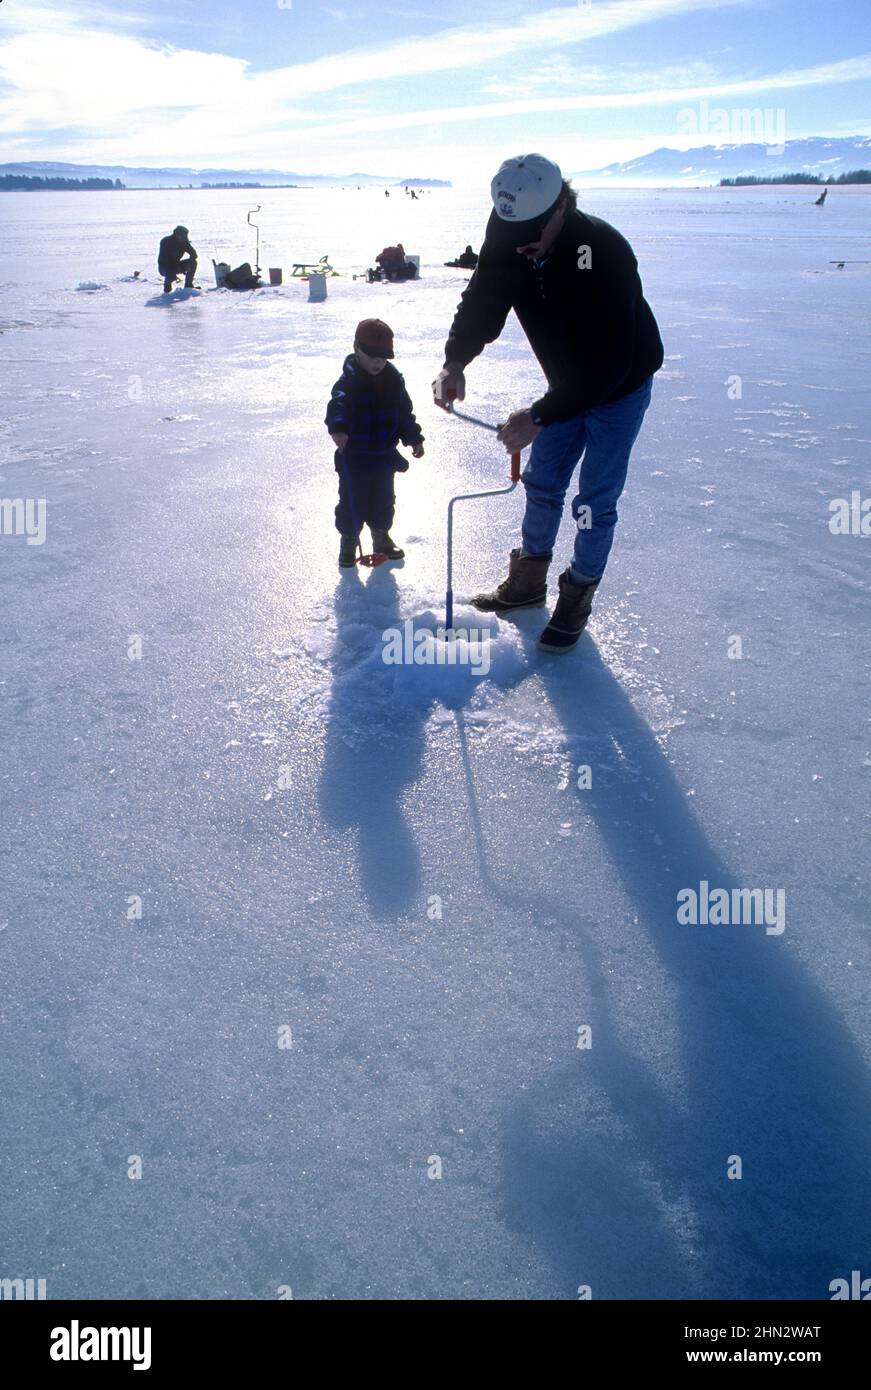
x=418, y=451
x=340, y=440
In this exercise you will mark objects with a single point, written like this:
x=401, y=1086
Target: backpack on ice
x=242, y=278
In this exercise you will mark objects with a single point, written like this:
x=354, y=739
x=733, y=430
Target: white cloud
x=825, y=74
x=555, y=74
x=68, y=69
x=88, y=86
x=148, y=99
x=474, y=46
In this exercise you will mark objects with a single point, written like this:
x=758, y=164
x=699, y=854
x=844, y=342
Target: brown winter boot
x=348, y=552
x=569, y=617
x=525, y=587
x=384, y=544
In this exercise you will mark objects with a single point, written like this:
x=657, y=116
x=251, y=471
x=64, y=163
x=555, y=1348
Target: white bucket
x=222, y=270
x=317, y=287
x=415, y=261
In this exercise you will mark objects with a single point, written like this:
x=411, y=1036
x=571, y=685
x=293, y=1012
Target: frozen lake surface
x=397, y=863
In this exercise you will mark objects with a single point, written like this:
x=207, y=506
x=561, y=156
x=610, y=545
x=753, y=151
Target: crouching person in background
x=177, y=257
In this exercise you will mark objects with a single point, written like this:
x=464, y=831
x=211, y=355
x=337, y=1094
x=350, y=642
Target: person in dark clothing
x=394, y=265
x=177, y=257
x=369, y=413
x=467, y=260
x=572, y=280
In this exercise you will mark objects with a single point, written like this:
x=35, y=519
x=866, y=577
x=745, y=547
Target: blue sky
x=422, y=89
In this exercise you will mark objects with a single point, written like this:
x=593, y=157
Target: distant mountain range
x=186, y=178
x=710, y=163
x=706, y=164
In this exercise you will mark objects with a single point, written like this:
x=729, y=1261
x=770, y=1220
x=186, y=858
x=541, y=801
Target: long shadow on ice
x=639, y=1204
x=561, y=1192
x=374, y=747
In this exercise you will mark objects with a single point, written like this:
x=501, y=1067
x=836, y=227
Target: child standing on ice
x=369, y=413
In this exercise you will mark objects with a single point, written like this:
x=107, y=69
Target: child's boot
x=383, y=544
x=348, y=552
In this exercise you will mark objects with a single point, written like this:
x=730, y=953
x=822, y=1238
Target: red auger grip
x=515, y=468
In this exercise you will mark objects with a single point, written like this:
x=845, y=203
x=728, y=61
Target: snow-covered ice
x=405, y=865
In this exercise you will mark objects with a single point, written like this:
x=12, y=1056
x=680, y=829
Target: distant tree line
x=854, y=176
x=11, y=183
x=246, y=185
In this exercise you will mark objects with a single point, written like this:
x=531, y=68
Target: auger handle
x=450, y=397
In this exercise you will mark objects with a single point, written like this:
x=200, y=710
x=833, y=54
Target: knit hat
x=374, y=337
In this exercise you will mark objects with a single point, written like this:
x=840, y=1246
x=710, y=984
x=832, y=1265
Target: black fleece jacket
x=172, y=250
x=592, y=330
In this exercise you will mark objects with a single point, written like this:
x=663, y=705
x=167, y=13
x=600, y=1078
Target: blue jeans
x=604, y=436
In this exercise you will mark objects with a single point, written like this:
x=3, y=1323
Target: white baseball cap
x=525, y=188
